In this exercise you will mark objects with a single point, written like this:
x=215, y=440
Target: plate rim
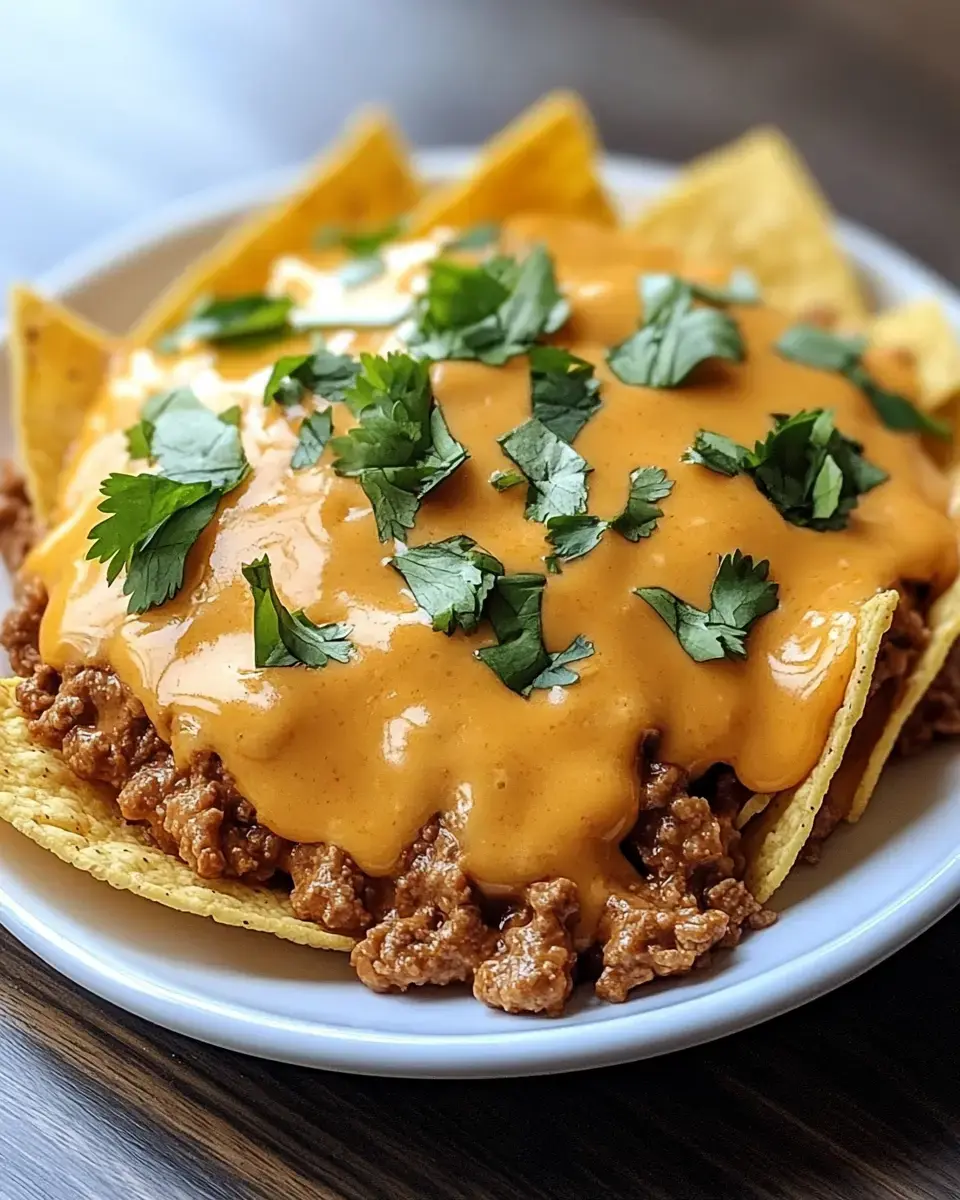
x=544, y=1047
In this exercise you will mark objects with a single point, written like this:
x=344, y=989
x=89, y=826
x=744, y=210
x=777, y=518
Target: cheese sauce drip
x=362, y=755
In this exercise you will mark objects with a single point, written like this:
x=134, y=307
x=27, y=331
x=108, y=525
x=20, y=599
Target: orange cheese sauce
x=362, y=755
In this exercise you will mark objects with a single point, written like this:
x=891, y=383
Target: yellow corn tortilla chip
x=365, y=180
x=944, y=631
x=757, y=804
x=923, y=328
x=753, y=202
x=58, y=363
x=544, y=161
x=42, y=798
x=773, y=842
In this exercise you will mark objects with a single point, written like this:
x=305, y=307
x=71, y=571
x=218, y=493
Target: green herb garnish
x=154, y=520
x=815, y=347
x=574, y=536
x=489, y=313
x=285, y=639
x=520, y=659
x=477, y=237
x=675, y=336
x=740, y=288
x=402, y=448
x=315, y=431
x=504, y=480
x=361, y=243
x=322, y=373
x=812, y=474
x=450, y=580
x=240, y=319
x=740, y=595
x=563, y=390
x=556, y=474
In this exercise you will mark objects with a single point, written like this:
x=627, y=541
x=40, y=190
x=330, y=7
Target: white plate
x=879, y=885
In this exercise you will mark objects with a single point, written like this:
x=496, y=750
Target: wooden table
x=856, y=1096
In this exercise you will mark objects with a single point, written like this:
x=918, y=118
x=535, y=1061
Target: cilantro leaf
x=558, y=673
x=564, y=391
x=450, y=580
x=503, y=480
x=812, y=474
x=520, y=659
x=315, y=432
x=489, y=313
x=157, y=565
x=154, y=520
x=322, y=373
x=815, y=347
x=361, y=243
x=285, y=639
x=233, y=319
x=674, y=338
x=477, y=237
x=556, y=474
x=402, y=448
x=639, y=518
x=740, y=595
x=573, y=537
x=718, y=453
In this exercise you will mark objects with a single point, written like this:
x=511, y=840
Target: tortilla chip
x=758, y=803
x=773, y=843
x=58, y=363
x=754, y=203
x=42, y=798
x=923, y=328
x=366, y=180
x=544, y=161
x=944, y=631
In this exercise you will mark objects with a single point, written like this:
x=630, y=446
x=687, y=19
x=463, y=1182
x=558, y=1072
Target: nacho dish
x=478, y=579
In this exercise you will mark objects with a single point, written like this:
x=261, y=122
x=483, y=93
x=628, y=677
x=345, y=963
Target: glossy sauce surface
x=361, y=755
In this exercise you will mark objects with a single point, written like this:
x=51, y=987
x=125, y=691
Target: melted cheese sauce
x=362, y=755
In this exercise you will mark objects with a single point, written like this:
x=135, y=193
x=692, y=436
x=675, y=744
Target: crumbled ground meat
x=426, y=926
x=18, y=530
x=434, y=932
x=20, y=630
x=938, y=713
x=328, y=887
x=532, y=969
x=690, y=900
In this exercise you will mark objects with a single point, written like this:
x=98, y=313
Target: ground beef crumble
x=18, y=528
x=428, y=925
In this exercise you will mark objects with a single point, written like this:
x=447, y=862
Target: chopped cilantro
x=812, y=474
x=574, y=536
x=402, y=447
x=490, y=313
x=520, y=659
x=556, y=474
x=815, y=347
x=639, y=518
x=361, y=243
x=740, y=595
x=322, y=373
x=477, y=237
x=315, y=431
x=503, y=480
x=450, y=580
x=153, y=520
x=285, y=639
x=564, y=392
x=236, y=319
x=675, y=337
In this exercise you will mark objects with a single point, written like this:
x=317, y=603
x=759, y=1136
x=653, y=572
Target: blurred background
x=111, y=108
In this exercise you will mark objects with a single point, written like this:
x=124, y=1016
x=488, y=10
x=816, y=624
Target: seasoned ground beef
x=328, y=887
x=20, y=629
x=18, y=530
x=938, y=713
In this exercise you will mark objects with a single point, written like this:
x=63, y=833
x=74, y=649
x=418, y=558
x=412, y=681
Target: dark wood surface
x=854, y=1097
